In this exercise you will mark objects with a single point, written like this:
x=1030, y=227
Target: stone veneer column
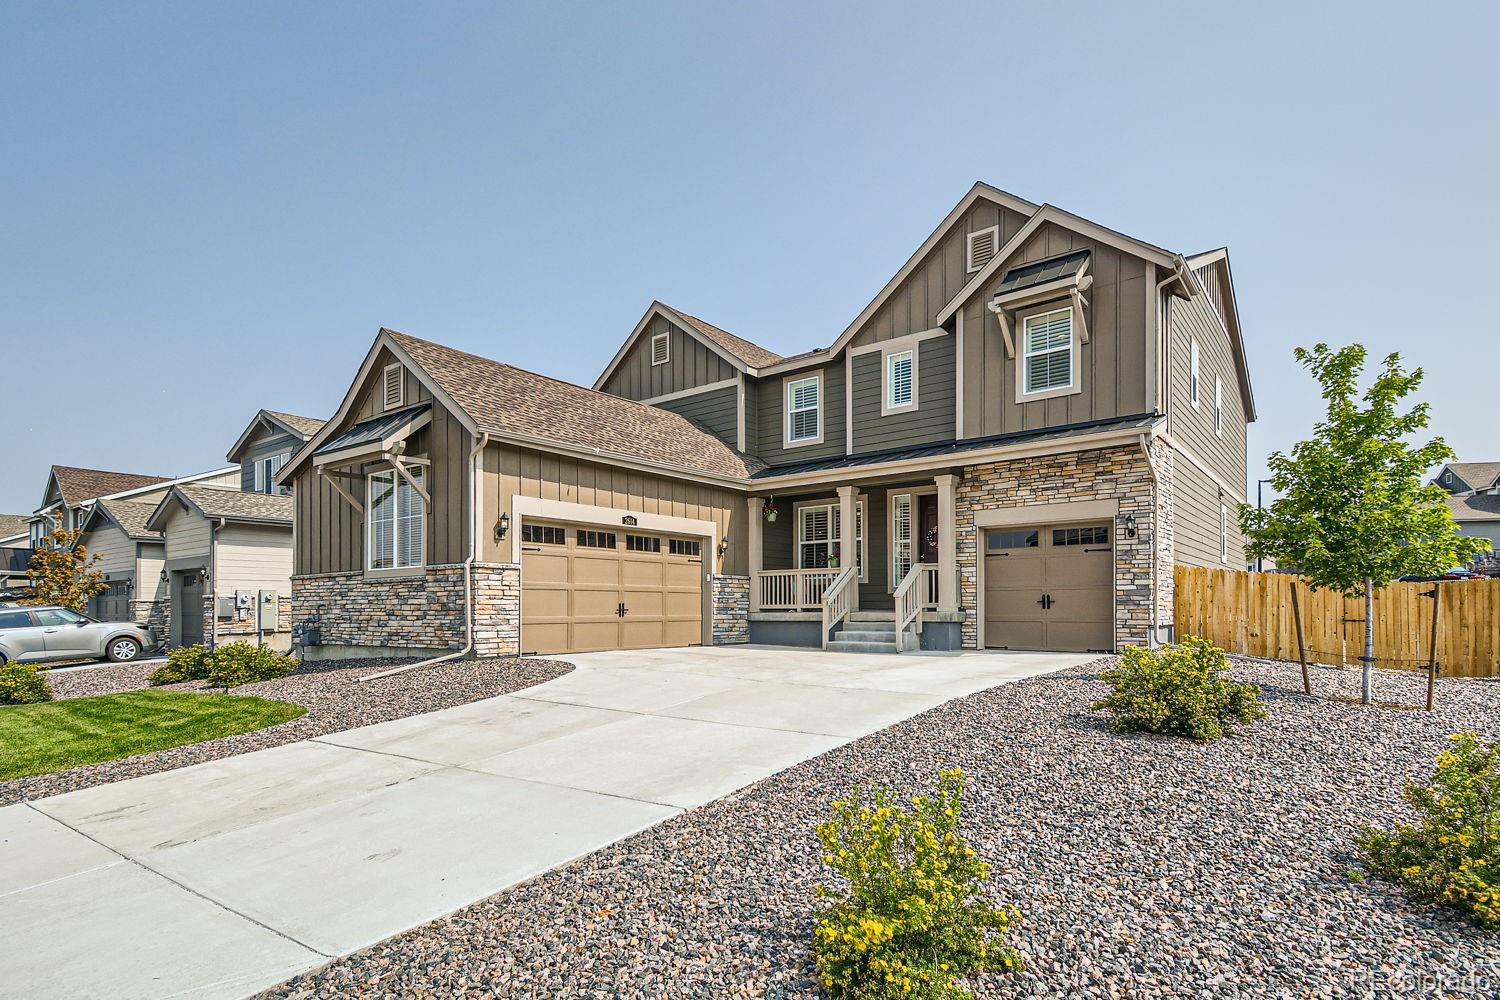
x=731, y=610
x=497, y=609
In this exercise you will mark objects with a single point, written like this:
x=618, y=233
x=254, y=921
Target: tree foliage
x=1352, y=503
x=62, y=572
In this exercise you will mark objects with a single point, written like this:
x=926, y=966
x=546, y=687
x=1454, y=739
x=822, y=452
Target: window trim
x=1223, y=532
x=787, y=440
x=665, y=339
x=395, y=569
x=969, y=266
x=887, y=358
x=263, y=477
x=1218, y=406
x=861, y=537
x=385, y=395
x=1193, y=371
x=1075, y=380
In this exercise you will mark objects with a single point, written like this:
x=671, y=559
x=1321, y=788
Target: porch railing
x=917, y=590
x=793, y=589
x=836, y=602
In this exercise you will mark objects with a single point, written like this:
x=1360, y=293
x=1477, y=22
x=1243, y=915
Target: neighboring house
x=1475, y=502
x=1469, y=477
x=15, y=555
x=131, y=556
x=71, y=492
x=1014, y=443
x=228, y=549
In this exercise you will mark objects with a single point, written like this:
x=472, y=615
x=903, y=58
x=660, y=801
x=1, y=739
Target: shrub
x=239, y=663
x=914, y=921
x=1452, y=856
x=1179, y=691
x=186, y=663
x=22, y=684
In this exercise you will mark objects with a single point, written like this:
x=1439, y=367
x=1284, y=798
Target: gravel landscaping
x=1143, y=866
x=330, y=690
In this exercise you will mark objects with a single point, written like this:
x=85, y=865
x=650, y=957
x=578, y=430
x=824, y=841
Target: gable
x=690, y=363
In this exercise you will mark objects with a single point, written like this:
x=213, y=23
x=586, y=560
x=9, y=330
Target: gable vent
x=983, y=245
x=392, y=387
x=659, y=351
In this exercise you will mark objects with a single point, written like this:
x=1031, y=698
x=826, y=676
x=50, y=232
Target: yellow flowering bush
x=914, y=921
x=1179, y=691
x=1452, y=855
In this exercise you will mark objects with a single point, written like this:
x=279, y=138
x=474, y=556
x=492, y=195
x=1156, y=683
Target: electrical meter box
x=267, y=610
x=243, y=599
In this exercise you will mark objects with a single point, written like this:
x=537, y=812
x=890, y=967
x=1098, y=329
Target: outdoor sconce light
x=163, y=576
x=502, y=527
x=723, y=545
x=1129, y=525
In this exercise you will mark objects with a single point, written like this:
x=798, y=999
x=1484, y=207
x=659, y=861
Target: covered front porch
x=876, y=561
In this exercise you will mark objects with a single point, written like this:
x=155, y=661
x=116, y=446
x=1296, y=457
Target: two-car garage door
x=1049, y=587
x=586, y=588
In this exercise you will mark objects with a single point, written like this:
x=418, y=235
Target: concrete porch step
x=865, y=635
x=840, y=646
x=873, y=616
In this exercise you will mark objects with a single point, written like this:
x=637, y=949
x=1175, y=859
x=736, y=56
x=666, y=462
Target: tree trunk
x=1367, y=662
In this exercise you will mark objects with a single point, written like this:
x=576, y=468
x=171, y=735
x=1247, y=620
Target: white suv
x=46, y=632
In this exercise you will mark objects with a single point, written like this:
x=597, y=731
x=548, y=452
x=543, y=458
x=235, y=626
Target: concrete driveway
x=222, y=879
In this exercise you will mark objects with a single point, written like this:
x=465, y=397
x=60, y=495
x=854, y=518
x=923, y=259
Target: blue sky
x=209, y=208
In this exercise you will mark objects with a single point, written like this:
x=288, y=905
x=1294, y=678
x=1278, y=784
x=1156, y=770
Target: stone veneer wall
x=241, y=627
x=1121, y=474
x=154, y=615
x=731, y=610
x=419, y=612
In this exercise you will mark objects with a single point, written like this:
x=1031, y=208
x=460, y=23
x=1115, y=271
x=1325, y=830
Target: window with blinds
x=900, y=380
x=1047, y=346
x=901, y=558
x=660, y=349
x=802, y=402
x=819, y=528
x=397, y=521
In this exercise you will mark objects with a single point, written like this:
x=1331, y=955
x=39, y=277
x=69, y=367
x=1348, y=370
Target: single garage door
x=586, y=588
x=1049, y=588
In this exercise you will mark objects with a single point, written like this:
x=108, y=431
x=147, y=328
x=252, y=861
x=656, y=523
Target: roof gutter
x=474, y=548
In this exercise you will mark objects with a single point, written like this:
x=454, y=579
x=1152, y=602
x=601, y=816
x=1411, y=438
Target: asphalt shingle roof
x=751, y=354
x=1475, y=507
x=306, y=426
x=132, y=517
x=239, y=506
x=13, y=524
x=506, y=400
x=1479, y=475
x=82, y=485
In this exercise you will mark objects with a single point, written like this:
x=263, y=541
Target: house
x=227, y=556
x=1011, y=445
x=71, y=492
x=1469, y=477
x=15, y=555
x=131, y=557
x=1474, y=500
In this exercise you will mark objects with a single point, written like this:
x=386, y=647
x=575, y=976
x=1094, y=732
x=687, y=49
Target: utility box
x=267, y=610
x=243, y=599
x=225, y=609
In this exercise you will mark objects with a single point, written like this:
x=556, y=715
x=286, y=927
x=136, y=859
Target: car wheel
x=121, y=650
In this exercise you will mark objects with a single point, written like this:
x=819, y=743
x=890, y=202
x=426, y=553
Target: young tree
x=1353, y=512
x=62, y=572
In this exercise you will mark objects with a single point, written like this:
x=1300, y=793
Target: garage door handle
x=1106, y=549
x=531, y=548
x=1046, y=602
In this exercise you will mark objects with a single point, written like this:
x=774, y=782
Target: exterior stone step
x=840, y=646
x=865, y=635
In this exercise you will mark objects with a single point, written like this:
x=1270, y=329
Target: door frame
x=890, y=527
x=1040, y=516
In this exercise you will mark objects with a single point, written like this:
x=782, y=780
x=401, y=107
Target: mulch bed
x=1143, y=866
x=330, y=690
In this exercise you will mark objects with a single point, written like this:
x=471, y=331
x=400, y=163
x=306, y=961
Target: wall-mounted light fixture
x=164, y=576
x=1130, y=526
x=723, y=545
x=502, y=527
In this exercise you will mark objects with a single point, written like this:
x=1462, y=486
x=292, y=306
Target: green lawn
x=56, y=735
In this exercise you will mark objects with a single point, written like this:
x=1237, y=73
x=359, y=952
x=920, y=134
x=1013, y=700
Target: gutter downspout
x=213, y=582
x=1153, y=639
x=474, y=498
x=1164, y=376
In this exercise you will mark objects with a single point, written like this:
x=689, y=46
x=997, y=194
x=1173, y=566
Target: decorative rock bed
x=330, y=690
x=1143, y=866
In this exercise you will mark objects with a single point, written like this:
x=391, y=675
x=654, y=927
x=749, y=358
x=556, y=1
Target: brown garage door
x=1049, y=588
x=589, y=588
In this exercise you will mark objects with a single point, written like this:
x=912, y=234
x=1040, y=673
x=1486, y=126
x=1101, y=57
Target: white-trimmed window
x=661, y=349
x=900, y=380
x=1193, y=373
x=804, y=406
x=1047, y=361
x=981, y=246
x=1223, y=533
x=265, y=473
x=392, y=387
x=901, y=537
x=397, y=521
x=818, y=532
x=1218, y=406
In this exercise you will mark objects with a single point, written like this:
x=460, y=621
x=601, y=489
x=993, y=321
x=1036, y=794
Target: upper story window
x=804, y=410
x=1218, y=406
x=1193, y=373
x=398, y=521
x=982, y=246
x=264, y=475
x=900, y=380
x=661, y=350
x=392, y=387
x=1047, y=352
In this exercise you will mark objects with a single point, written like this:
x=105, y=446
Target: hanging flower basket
x=771, y=510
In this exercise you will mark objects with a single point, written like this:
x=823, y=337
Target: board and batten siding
x=253, y=557
x=770, y=424
x=915, y=303
x=262, y=445
x=330, y=534
x=717, y=410
x=689, y=365
x=1116, y=367
x=931, y=420
x=188, y=535
x=510, y=471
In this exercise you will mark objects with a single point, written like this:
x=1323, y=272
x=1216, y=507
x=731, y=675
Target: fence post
x=1301, y=642
x=1432, y=645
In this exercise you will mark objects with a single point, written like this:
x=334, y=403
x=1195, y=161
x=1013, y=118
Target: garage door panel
x=1095, y=569
x=1083, y=604
x=545, y=567
x=682, y=632
x=1014, y=571
x=1015, y=635
x=599, y=570
x=641, y=634
x=680, y=604
x=591, y=636
x=547, y=637
x=644, y=603
x=641, y=573
x=591, y=602
x=1078, y=635
x=1011, y=605
x=547, y=603
x=685, y=575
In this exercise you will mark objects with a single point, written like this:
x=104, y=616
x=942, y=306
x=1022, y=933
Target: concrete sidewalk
x=225, y=878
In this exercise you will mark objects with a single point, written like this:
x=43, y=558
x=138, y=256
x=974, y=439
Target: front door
x=187, y=611
x=927, y=529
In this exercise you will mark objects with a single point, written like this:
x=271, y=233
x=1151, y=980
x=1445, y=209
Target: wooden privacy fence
x=1253, y=614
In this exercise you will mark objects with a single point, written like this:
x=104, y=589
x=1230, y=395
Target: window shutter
x=982, y=246
x=393, y=387
x=660, y=349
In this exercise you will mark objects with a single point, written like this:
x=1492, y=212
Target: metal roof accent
x=373, y=430
x=1018, y=279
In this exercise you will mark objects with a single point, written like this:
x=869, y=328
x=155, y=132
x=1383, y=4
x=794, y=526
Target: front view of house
x=1011, y=446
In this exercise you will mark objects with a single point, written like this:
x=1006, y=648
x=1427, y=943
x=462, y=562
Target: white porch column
x=756, y=506
x=848, y=550
x=947, y=543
